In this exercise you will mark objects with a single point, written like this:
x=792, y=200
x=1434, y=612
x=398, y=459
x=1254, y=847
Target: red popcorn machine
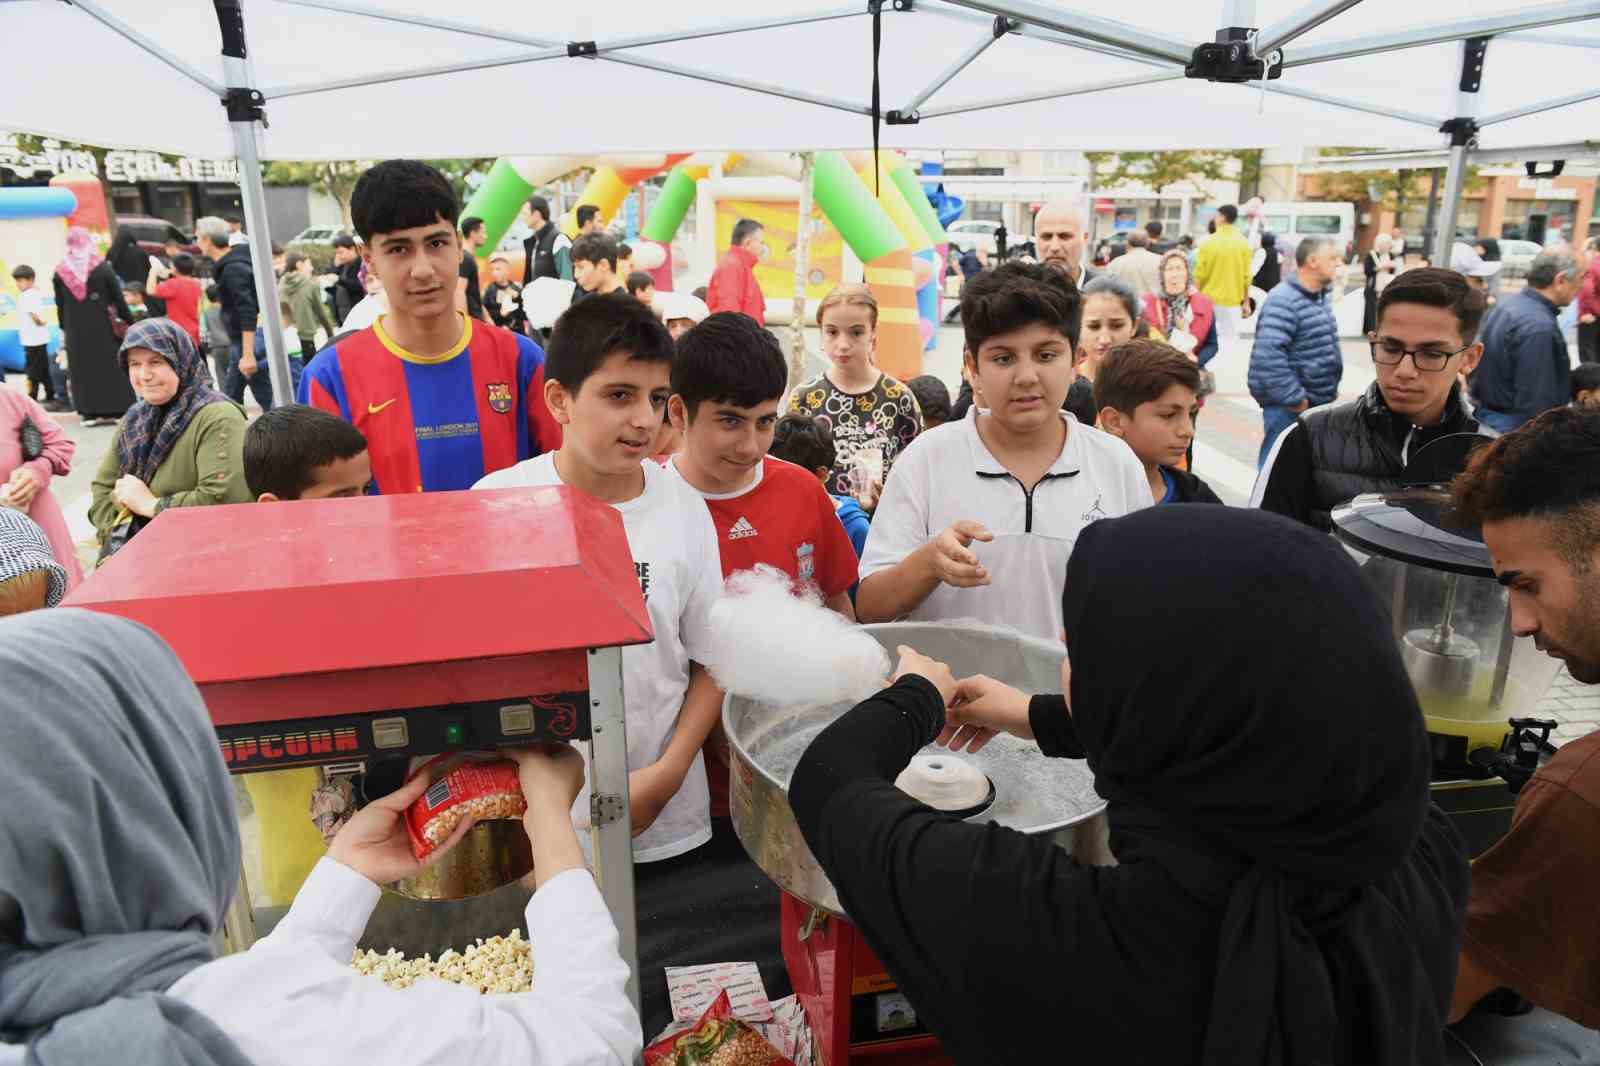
x=337, y=633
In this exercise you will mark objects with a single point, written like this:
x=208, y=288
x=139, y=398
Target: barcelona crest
x=499, y=397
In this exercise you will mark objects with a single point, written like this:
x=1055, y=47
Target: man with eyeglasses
x=1424, y=344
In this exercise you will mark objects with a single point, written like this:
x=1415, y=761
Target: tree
x=335, y=178
x=1158, y=170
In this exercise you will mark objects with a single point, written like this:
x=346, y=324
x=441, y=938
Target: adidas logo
x=741, y=529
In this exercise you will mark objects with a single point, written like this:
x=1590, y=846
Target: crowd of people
x=1035, y=501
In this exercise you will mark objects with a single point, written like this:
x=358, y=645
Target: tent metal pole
x=603, y=51
x=1078, y=24
x=1300, y=22
x=1463, y=131
x=284, y=92
x=1094, y=87
x=1430, y=228
x=948, y=74
x=1530, y=37
x=145, y=44
x=976, y=18
x=245, y=121
x=1541, y=106
x=1279, y=89
x=1527, y=19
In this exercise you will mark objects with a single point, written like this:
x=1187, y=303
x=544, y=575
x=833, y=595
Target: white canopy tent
x=395, y=78
x=324, y=79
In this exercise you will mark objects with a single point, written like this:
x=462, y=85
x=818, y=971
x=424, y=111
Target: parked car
x=154, y=233
x=972, y=233
x=316, y=235
x=1517, y=256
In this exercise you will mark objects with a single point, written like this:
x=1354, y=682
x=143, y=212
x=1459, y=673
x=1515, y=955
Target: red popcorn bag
x=719, y=1039
x=481, y=791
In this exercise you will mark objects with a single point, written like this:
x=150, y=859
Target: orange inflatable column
x=893, y=280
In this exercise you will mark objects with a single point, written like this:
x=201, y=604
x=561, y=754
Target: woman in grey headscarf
x=118, y=850
x=119, y=854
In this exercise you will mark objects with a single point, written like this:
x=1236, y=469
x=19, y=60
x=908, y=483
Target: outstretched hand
x=980, y=709
x=374, y=842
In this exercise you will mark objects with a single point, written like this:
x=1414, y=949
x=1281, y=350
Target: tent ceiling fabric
x=669, y=99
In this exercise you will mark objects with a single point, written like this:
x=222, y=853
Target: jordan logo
x=741, y=529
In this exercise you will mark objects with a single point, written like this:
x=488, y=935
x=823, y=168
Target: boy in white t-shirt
x=34, y=332
x=607, y=379
x=980, y=516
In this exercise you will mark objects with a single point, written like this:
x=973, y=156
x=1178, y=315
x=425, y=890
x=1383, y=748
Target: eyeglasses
x=1386, y=351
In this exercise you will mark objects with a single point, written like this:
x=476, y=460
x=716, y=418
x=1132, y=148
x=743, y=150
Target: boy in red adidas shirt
x=728, y=383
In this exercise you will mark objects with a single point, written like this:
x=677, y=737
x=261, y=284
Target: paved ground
x=1225, y=456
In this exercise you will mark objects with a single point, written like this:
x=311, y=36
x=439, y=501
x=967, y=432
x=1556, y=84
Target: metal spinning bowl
x=1033, y=794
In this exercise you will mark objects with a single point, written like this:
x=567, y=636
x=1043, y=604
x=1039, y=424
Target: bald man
x=1058, y=234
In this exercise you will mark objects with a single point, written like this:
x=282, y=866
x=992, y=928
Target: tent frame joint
x=902, y=118
x=1004, y=25
x=1463, y=131
x=582, y=50
x=245, y=105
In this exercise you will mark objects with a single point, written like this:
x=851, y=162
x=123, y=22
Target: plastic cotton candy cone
x=775, y=646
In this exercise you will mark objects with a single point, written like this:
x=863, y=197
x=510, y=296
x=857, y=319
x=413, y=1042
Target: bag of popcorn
x=481, y=791
x=719, y=1039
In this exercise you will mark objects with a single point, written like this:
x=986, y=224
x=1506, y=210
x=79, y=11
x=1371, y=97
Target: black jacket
x=539, y=253
x=236, y=291
x=1186, y=488
x=348, y=290
x=1334, y=453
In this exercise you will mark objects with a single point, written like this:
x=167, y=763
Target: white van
x=1293, y=222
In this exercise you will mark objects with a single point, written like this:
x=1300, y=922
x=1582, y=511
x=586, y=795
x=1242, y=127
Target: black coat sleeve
x=240, y=282
x=107, y=280
x=1290, y=489
x=967, y=917
x=1052, y=727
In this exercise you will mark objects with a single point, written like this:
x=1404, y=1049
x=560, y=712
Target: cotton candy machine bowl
x=1020, y=787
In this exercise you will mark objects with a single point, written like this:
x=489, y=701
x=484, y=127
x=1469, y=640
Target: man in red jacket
x=733, y=284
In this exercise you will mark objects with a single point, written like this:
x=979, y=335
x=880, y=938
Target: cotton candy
x=774, y=645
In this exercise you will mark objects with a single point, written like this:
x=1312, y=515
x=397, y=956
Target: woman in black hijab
x=1286, y=893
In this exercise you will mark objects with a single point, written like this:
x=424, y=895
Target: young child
x=1586, y=385
x=681, y=312
x=728, y=383
x=728, y=380
x=933, y=398
x=642, y=287
x=624, y=260
x=296, y=452
x=1019, y=476
x=1147, y=393
x=808, y=444
x=609, y=378
x=872, y=416
x=594, y=266
x=133, y=296
x=503, y=298
x=34, y=333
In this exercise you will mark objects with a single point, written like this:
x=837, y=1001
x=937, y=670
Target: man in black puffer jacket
x=1425, y=340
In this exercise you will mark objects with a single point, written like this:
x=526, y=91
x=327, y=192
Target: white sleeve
x=703, y=581
x=294, y=998
x=900, y=524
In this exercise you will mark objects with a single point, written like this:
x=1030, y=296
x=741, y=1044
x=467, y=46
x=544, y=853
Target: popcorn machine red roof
x=337, y=631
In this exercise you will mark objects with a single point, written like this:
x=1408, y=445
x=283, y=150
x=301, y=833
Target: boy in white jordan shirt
x=607, y=381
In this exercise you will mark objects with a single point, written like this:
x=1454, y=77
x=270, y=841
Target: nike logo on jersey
x=374, y=408
x=741, y=529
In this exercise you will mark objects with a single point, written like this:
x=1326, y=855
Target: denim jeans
x=1497, y=421
x=260, y=382
x=1274, y=420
